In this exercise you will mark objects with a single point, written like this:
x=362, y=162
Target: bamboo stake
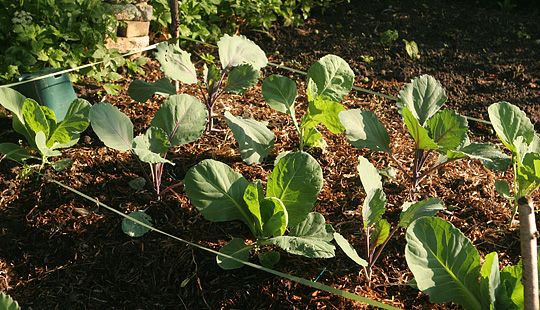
x=529, y=255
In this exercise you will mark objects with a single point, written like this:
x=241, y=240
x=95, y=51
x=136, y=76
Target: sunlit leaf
x=419, y=133
x=369, y=175
x=448, y=129
x=217, y=191
x=7, y=303
x=380, y=233
x=330, y=77
x=423, y=96
x=444, y=262
x=349, y=250
x=374, y=207
x=182, y=117
x=364, y=130
x=509, y=123
x=310, y=238
x=112, y=127
x=255, y=140
x=412, y=211
x=176, y=63
x=323, y=111
x=279, y=92
x=236, y=50
x=75, y=121
x=296, y=180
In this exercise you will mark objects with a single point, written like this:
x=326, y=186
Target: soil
x=61, y=251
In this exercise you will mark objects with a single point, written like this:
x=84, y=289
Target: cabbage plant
x=329, y=80
x=377, y=229
x=517, y=133
x=181, y=119
x=448, y=268
x=434, y=131
x=221, y=194
x=241, y=60
x=39, y=126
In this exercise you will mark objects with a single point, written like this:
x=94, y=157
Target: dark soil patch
x=60, y=251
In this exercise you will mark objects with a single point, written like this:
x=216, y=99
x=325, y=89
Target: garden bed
x=61, y=251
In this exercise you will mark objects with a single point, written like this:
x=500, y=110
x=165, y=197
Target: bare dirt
x=61, y=251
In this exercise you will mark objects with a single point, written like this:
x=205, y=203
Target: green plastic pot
x=54, y=92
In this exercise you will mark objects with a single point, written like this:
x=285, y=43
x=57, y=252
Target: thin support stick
x=529, y=252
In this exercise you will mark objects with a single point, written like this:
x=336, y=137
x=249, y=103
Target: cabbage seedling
x=39, y=126
x=433, y=131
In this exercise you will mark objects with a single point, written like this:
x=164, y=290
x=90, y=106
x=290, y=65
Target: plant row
x=280, y=214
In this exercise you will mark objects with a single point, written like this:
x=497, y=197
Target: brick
x=134, y=12
x=126, y=45
x=146, y=12
x=133, y=29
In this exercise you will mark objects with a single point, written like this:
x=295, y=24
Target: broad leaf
x=374, y=207
x=419, y=133
x=41, y=143
x=236, y=50
x=364, y=130
x=274, y=217
x=491, y=157
x=63, y=164
x=369, y=175
x=253, y=196
x=182, y=117
x=75, y=121
x=380, y=234
x=237, y=249
x=141, y=91
x=313, y=138
x=212, y=77
x=512, y=288
x=241, y=78
x=448, y=129
x=133, y=229
x=13, y=101
x=503, y=189
x=310, y=238
x=412, y=211
x=349, y=250
x=7, y=303
x=490, y=280
x=112, y=127
x=509, y=123
x=423, y=96
x=217, y=191
x=151, y=145
x=15, y=152
x=255, y=140
x=38, y=118
x=296, y=180
x=176, y=63
x=138, y=183
x=444, y=262
x=330, y=77
x=269, y=259
x=528, y=172
x=279, y=92
x=323, y=111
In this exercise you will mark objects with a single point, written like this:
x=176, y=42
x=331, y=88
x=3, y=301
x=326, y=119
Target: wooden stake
x=175, y=20
x=529, y=252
